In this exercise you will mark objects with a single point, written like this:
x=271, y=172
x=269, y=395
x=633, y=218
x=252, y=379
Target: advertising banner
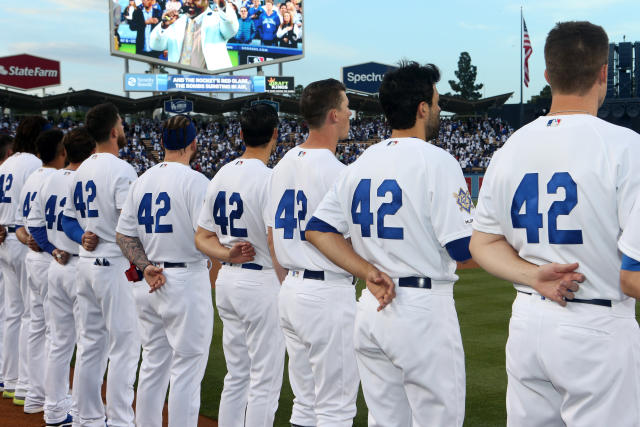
x=365, y=78
x=178, y=106
x=200, y=83
x=28, y=72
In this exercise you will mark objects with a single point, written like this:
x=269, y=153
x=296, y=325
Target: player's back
x=299, y=182
x=237, y=201
x=405, y=199
x=163, y=205
x=13, y=174
x=32, y=187
x=97, y=194
x=562, y=189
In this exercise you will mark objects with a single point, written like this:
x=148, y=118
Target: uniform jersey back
x=570, y=182
x=400, y=217
x=13, y=174
x=235, y=206
x=162, y=210
x=48, y=207
x=98, y=191
x=299, y=182
x=28, y=194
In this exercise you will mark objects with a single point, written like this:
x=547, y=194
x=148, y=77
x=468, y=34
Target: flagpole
x=521, y=71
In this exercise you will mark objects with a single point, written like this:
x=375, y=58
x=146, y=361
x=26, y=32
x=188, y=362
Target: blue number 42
x=145, y=216
x=527, y=194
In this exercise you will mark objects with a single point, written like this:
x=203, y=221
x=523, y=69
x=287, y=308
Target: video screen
x=207, y=35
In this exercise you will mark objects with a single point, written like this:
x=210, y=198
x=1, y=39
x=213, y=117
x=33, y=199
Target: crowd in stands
x=472, y=141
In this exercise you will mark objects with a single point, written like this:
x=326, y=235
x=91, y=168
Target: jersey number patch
x=287, y=217
x=78, y=199
x=26, y=207
x=50, y=212
x=361, y=208
x=145, y=215
x=220, y=213
x=5, y=185
x=527, y=194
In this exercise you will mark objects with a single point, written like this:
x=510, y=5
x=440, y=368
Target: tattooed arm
x=133, y=250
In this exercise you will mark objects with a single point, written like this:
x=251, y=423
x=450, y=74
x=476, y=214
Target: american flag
x=526, y=45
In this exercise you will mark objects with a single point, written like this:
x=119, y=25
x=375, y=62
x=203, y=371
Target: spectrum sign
x=365, y=78
x=28, y=72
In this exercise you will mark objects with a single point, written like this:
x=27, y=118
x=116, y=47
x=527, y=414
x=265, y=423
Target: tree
x=298, y=92
x=466, y=85
x=545, y=94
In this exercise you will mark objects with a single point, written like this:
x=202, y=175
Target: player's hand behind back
x=154, y=277
x=241, y=252
x=381, y=287
x=558, y=282
x=89, y=241
x=32, y=244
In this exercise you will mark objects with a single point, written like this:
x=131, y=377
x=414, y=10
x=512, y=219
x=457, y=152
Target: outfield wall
x=474, y=182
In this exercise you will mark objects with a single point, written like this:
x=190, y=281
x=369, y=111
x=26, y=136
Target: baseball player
x=108, y=320
x=408, y=225
x=317, y=300
x=13, y=173
x=232, y=222
x=45, y=224
x=155, y=232
x=629, y=243
x=550, y=212
x=6, y=150
x=51, y=152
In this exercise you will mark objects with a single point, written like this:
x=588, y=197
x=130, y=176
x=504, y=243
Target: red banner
x=28, y=72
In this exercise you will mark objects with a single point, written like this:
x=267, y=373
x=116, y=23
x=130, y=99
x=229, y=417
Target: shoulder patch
x=392, y=143
x=302, y=153
x=463, y=200
x=554, y=122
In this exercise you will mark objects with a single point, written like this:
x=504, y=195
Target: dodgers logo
x=463, y=200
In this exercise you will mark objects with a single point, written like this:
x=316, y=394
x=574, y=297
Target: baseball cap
x=177, y=139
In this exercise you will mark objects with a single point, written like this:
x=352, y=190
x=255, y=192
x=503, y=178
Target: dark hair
x=574, y=54
x=78, y=144
x=48, y=144
x=403, y=90
x=27, y=132
x=6, y=143
x=100, y=120
x=318, y=98
x=257, y=123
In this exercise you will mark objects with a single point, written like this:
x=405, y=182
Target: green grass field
x=484, y=306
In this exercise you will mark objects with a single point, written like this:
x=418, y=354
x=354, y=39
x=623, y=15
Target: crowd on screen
x=472, y=141
x=261, y=22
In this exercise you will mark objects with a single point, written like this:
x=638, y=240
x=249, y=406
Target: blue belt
x=247, y=265
x=314, y=275
x=174, y=265
x=601, y=302
x=415, y=282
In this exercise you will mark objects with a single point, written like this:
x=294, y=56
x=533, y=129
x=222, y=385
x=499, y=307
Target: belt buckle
x=295, y=273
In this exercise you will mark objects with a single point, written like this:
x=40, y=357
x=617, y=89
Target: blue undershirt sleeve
x=72, y=229
x=629, y=264
x=40, y=236
x=316, y=224
x=459, y=249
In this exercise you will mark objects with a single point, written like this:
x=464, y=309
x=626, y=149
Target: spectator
x=268, y=24
x=145, y=18
x=246, y=29
x=287, y=33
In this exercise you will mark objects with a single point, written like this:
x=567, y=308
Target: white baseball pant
x=176, y=326
x=17, y=316
x=253, y=345
x=577, y=365
x=1, y=324
x=108, y=331
x=63, y=315
x=39, y=339
x=410, y=358
x=317, y=318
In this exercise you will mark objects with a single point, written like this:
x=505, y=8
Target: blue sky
x=338, y=33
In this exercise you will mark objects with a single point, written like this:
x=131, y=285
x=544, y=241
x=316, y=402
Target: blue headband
x=177, y=139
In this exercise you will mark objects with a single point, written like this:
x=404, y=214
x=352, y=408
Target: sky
x=337, y=33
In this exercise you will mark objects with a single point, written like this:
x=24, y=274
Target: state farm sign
x=28, y=72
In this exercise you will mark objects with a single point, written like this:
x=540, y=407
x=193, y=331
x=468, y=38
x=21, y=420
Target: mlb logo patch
x=392, y=143
x=163, y=165
x=302, y=153
x=95, y=156
x=239, y=162
x=554, y=123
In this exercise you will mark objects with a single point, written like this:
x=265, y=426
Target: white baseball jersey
x=299, y=182
x=97, y=194
x=402, y=201
x=48, y=206
x=235, y=206
x=28, y=195
x=162, y=210
x=561, y=190
x=13, y=174
x=629, y=242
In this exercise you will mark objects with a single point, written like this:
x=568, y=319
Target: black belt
x=174, y=265
x=314, y=275
x=11, y=228
x=247, y=265
x=415, y=282
x=601, y=302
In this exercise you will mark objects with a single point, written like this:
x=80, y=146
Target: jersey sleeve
x=36, y=214
x=451, y=205
x=205, y=219
x=330, y=211
x=69, y=207
x=127, y=223
x=197, y=195
x=629, y=242
x=20, y=219
x=122, y=182
x=486, y=217
x=265, y=200
x=628, y=179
